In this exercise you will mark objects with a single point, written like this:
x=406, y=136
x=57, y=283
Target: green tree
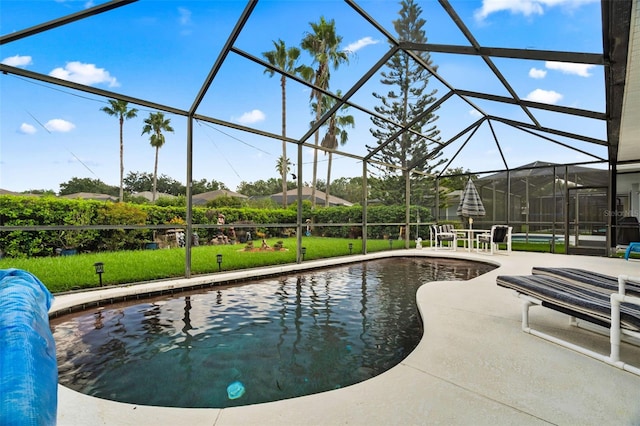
x=168, y=185
x=335, y=133
x=321, y=185
x=285, y=59
x=155, y=125
x=142, y=181
x=121, y=110
x=138, y=182
x=349, y=189
x=262, y=188
x=404, y=104
x=87, y=185
x=457, y=179
x=323, y=44
x=202, y=185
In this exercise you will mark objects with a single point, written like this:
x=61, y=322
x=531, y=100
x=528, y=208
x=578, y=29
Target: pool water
x=249, y=343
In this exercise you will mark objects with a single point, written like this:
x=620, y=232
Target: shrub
x=39, y=211
x=121, y=239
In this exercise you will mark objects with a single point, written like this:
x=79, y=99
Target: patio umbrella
x=470, y=203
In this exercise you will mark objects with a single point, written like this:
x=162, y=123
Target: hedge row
x=36, y=211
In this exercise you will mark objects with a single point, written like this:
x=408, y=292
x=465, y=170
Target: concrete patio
x=474, y=365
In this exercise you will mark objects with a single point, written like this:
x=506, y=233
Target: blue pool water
x=249, y=343
x=536, y=238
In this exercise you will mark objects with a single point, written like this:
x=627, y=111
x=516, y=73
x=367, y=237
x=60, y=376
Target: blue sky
x=162, y=51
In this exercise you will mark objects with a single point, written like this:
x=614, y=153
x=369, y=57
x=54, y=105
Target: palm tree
x=120, y=109
x=283, y=165
x=336, y=132
x=285, y=59
x=155, y=125
x=324, y=46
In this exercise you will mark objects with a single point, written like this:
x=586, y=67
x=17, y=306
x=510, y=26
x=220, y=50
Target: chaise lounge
x=612, y=303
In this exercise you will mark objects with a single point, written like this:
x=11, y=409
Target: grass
x=65, y=273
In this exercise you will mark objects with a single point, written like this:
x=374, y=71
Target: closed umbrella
x=470, y=204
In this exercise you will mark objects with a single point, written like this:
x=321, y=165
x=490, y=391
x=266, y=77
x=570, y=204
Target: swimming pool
x=537, y=238
x=277, y=338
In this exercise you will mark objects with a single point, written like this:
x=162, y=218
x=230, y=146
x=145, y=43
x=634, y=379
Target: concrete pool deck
x=473, y=366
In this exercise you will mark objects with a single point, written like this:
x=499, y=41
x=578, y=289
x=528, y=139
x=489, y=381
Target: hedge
x=38, y=211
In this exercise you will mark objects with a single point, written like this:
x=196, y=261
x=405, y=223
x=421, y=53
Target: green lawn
x=64, y=273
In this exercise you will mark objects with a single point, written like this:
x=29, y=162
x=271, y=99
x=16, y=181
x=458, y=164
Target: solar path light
x=99, y=270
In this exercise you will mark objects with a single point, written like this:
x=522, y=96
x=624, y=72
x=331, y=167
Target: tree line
x=347, y=188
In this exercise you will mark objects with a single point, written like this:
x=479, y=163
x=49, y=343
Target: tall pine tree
x=402, y=104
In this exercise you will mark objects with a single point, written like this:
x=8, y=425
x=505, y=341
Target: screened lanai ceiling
x=506, y=93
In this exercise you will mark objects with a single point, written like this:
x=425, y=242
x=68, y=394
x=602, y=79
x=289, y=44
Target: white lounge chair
x=591, y=298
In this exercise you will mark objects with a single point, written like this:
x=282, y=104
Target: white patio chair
x=442, y=234
x=499, y=234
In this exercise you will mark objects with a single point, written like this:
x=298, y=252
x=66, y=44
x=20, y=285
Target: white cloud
x=475, y=113
x=184, y=20
x=87, y=74
x=17, y=61
x=251, y=117
x=59, y=125
x=536, y=73
x=87, y=4
x=185, y=16
x=567, y=68
x=27, y=129
x=524, y=7
x=544, y=96
x=365, y=41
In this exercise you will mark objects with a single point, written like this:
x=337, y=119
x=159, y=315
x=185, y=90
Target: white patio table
x=469, y=235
